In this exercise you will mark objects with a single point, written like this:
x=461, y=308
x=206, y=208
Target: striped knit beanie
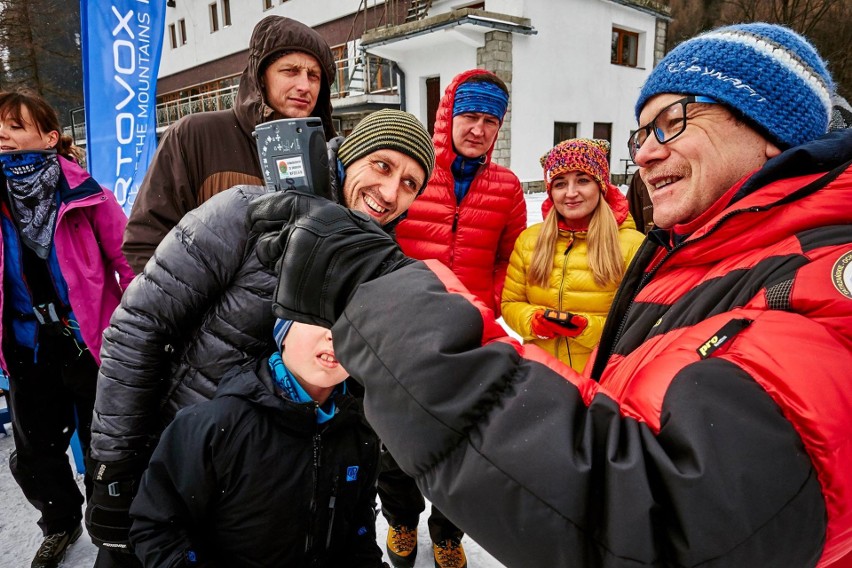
x=394, y=129
x=280, y=331
x=767, y=72
x=578, y=155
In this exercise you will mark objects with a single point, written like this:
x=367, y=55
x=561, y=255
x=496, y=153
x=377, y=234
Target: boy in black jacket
x=279, y=469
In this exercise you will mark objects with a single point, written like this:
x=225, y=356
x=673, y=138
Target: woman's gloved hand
x=547, y=324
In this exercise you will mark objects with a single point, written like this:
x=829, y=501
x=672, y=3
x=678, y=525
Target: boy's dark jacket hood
x=257, y=387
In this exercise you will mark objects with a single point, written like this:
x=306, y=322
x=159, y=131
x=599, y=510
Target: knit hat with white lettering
x=393, y=129
x=773, y=76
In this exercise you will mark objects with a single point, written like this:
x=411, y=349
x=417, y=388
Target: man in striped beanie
x=219, y=296
x=384, y=164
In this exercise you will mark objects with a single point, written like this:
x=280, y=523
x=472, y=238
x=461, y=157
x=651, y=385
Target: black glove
x=114, y=485
x=322, y=254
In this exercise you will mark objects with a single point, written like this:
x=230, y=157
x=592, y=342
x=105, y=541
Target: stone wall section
x=496, y=56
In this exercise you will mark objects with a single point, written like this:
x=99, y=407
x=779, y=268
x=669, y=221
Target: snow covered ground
x=20, y=536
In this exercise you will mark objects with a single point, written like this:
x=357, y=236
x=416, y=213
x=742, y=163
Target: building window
x=226, y=13
x=267, y=5
x=433, y=99
x=564, y=131
x=173, y=36
x=182, y=30
x=625, y=47
x=603, y=131
x=341, y=64
x=214, y=17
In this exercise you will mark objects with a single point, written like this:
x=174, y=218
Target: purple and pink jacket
x=89, y=229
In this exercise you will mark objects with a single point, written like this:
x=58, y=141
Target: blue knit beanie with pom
x=769, y=73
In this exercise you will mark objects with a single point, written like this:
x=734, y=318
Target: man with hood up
x=289, y=75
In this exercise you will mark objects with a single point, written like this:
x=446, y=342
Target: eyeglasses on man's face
x=667, y=125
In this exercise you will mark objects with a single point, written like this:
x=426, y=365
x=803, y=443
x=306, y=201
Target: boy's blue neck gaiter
x=292, y=390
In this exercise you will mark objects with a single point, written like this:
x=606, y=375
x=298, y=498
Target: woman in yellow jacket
x=563, y=272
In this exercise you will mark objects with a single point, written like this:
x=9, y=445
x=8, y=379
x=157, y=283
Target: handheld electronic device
x=293, y=155
x=562, y=318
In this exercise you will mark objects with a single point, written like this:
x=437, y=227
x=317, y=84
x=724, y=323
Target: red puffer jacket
x=475, y=238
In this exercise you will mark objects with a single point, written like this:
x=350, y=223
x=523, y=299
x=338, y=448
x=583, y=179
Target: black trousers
x=402, y=502
x=49, y=397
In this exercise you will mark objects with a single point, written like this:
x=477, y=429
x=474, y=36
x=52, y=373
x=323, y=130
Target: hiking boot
x=53, y=547
x=449, y=554
x=402, y=546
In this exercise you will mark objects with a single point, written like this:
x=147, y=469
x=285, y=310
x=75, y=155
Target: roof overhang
x=652, y=7
x=467, y=26
x=363, y=103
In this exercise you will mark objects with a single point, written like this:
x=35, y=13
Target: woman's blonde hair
x=606, y=261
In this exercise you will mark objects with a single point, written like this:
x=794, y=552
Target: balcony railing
x=364, y=75
x=77, y=129
x=171, y=111
x=356, y=76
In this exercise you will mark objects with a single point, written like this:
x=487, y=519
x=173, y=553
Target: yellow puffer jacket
x=571, y=286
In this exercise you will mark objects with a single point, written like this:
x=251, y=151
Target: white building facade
x=574, y=67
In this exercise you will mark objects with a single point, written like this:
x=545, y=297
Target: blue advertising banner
x=122, y=42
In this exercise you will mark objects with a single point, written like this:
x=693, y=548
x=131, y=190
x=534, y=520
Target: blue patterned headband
x=481, y=97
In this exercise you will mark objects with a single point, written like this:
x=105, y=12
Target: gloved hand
x=569, y=325
x=114, y=485
x=322, y=254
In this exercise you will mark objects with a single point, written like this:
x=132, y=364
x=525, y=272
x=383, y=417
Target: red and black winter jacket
x=715, y=429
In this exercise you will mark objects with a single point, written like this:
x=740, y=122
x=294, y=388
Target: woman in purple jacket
x=63, y=275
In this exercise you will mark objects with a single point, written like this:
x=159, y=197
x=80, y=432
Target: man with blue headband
x=473, y=209
x=468, y=218
x=712, y=427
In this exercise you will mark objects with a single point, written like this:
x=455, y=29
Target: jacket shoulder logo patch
x=841, y=274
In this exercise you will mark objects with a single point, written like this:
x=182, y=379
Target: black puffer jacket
x=250, y=479
x=202, y=306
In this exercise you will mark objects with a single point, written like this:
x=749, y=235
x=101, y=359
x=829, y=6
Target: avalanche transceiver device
x=293, y=154
x=562, y=318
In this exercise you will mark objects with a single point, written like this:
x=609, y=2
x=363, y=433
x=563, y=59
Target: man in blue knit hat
x=712, y=428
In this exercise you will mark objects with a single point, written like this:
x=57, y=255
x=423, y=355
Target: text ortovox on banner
x=122, y=41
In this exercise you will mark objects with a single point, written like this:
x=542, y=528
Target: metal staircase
x=418, y=10
x=361, y=74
